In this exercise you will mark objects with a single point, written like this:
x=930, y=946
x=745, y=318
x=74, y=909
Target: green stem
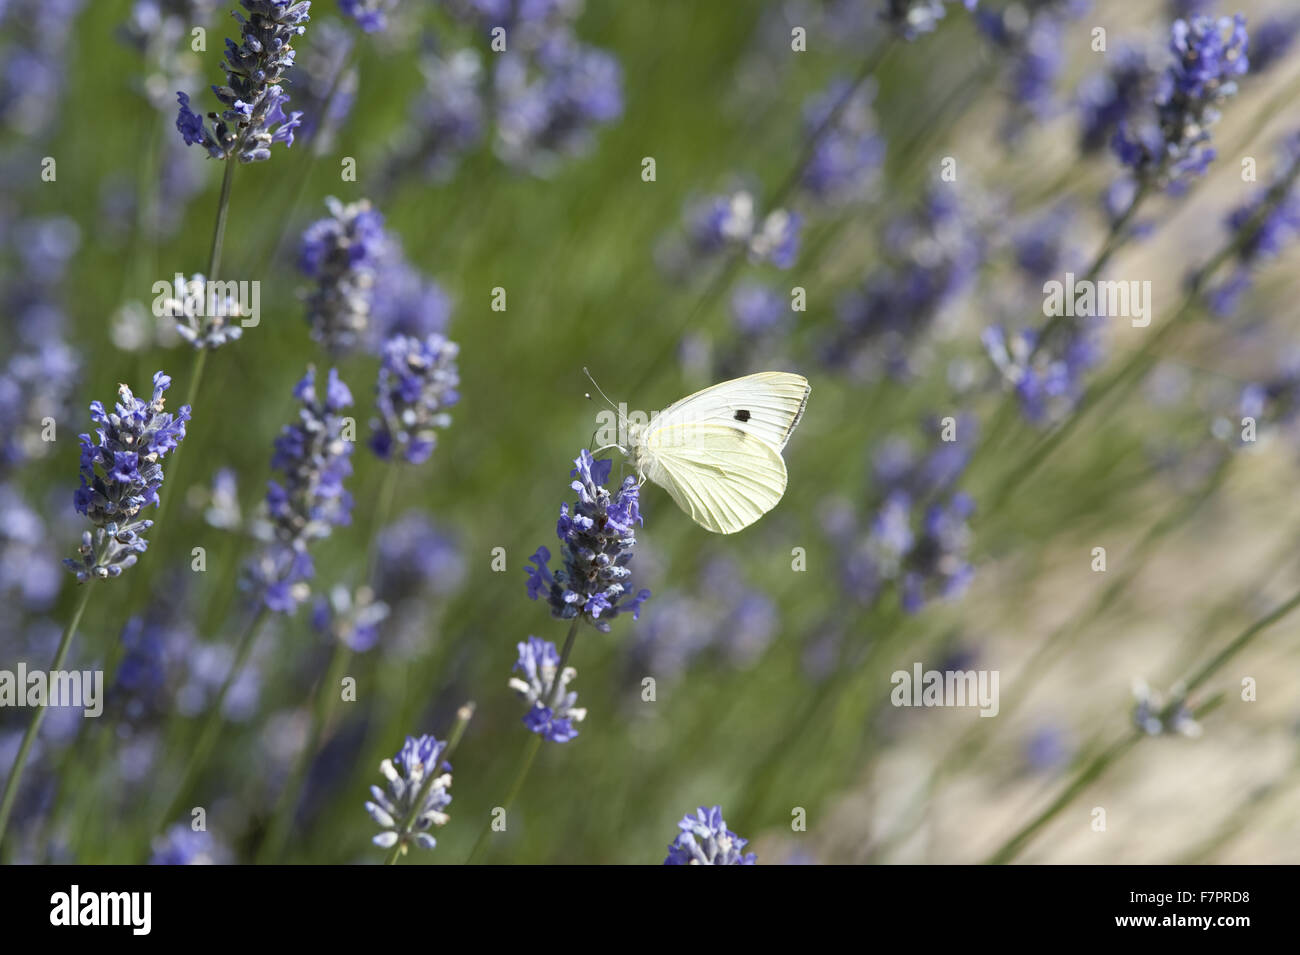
x=534, y=744
x=212, y=726
x=20, y=759
x=219, y=230
x=530, y=753
x=463, y=716
x=328, y=697
x=282, y=821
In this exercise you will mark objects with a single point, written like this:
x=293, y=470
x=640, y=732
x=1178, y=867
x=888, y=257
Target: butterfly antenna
x=598, y=388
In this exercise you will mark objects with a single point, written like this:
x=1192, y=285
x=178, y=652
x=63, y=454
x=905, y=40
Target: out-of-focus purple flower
x=911, y=18
x=254, y=116
x=446, y=119
x=1029, y=42
x=759, y=309
x=1264, y=226
x=550, y=102
x=1049, y=381
x=34, y=60
x=182, y=845
x=552, y=708
x=416, y=558
x=121, y=475
x=596, y=535
x=705, y=840
x=202, y=319
x=403, y=301
x=1272, y=40
x=1046, y=749
x=1208, y=56
x=342, y=252
x=917, y=535
x=324, y=85
x=719, y=223
x=929, y=258
x=370, y=15
x=723, y=617
x=407, y=773
x=352, y=620
x=310, y=499
x=1113, y=96
x=418, y=382
x=847, y=156
x=29, y=570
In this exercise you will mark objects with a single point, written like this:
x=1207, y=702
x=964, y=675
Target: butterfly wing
x=724, y=477
x=767, y=405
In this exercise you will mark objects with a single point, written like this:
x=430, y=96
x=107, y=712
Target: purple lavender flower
x=1116, y=95
x=417, y=558
x=1030, y=44
x=34, y=53
x=551, y=101
x=370, y=15
x=847, y=157
x=182, y=845
x=597, y=535
x=351, y=619
x=342, y=253
x=1048, y=381
x=326, y=86
x=1272, y=40
x=202, y=319
x=313, y=459
x=121, y=476
x=1265, y=225
x=403, y=301
x=911, y=18
x=938, y=565
x=1208, y=55
x=722, y=617
x=757, y=310
x=254, y=116
x=705, y=840
x=29, y=568
x=446, y=119
x=417, y=383
x=729, y=222
x=551, y=704
x=929, y=257
x=417, y=760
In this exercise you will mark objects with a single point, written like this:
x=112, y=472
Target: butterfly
x=718, y=452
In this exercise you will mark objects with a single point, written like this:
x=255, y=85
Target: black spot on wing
x=742, y=415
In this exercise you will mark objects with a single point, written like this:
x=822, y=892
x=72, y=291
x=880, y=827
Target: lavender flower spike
x=417, y=383
x=552, y=714
x=418, y=759
x=597, y=535
x=341, y=252
x=312, y=457
x=1208, y=56
x=254, y=116
x=121, y=476
x=705, y=840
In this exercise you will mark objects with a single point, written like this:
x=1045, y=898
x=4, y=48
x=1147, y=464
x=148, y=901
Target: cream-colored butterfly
x=718, y=452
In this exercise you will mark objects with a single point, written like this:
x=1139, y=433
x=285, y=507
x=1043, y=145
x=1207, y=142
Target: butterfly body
x=718, y=452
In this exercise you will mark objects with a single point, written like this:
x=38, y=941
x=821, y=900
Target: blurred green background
x=711, y=97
